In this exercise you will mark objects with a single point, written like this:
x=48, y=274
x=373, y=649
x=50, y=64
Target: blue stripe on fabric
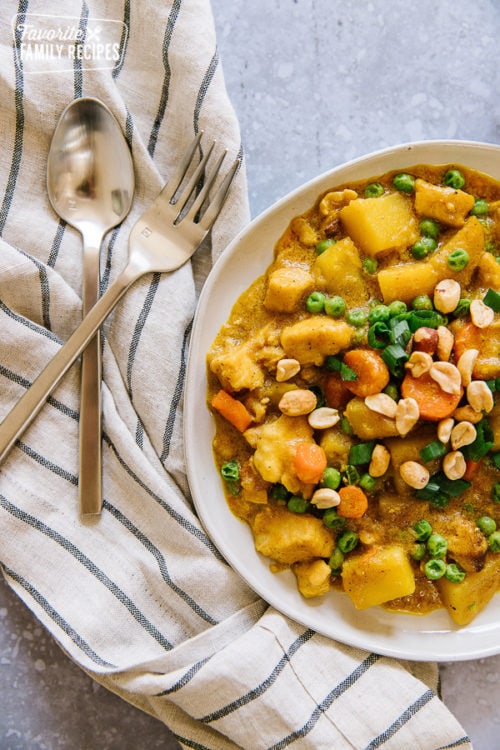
x=78, y=64
x=139, y=327
x=61, y=623
x=320, y=709
x=169, y=30
x=19, y=126
x=258, y=691
x=191, y=743
x=160, y=559
x=25, y=383
x=124, y=40
x=54, y=468
x=403, y=719
x=185, y=679
x=56, y=243
x=207, y=79
x=458, y=743
x=91, y=567
x=176, y=397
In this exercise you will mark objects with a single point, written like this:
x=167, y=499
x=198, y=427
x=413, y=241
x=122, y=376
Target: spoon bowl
x=90, y=183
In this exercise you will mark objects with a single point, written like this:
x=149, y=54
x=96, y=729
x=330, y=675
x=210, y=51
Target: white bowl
x=429, y=637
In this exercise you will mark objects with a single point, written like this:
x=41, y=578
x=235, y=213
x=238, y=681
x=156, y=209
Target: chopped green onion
x=433, y=450
x=332, y=520
x=492, y=299
x=378, y=335
x=395, y=357
x=496, y=460
x=230, y=471
x=427, y=318
x=495, y=492
x=361, y=453
x=483, y=443
x=347, y=541
x=351, y=474
x=462, y=309
x=399, y=331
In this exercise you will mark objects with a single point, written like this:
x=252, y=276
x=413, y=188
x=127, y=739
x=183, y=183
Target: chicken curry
x=355, y=390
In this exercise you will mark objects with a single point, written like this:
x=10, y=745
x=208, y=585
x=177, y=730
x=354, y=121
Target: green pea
x=486, y=524
x=357, y=317
x=332, y=520
x=434, y=569
x=454, y=574
x=494, y=541
x=422, y=302
x=336, y=560
x=404, y=182
x=370, y=265
x=315, y=302
x=379, y=313
x=331, y=478
x=392, y=390
x=367, y=482
x=495, y=492
x=397, y=307
x=437, y=546
x=480, y=207
x=462, y=309
x=335, y=306
x=230, y=471
x=454, y=179
x=422, y=530
x=429, y=228
x=374, y=190
x=423, y=247
x=458, y=259
x=297, y=504
x=418, y=551
x=324, y=245
x=347, y=541
x=278, y=492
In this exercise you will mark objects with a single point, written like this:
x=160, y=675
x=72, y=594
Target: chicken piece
x=286, y=288
x=467, y=545
x=313, y=577
x=275, y=444
x=444, y=204
x=253, y=487
x=290, y=537
x=237, y=369
x=312, y=339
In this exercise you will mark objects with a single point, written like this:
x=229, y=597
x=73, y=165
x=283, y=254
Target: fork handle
x=28, y=406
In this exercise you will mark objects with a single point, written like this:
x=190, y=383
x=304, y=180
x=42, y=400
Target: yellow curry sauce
x=356, y=394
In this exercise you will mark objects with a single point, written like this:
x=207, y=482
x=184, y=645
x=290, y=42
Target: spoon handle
x=28, y=406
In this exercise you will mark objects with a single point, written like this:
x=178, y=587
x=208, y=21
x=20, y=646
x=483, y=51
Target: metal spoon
x=90, y=182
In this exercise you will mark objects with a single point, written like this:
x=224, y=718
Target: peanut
x=382, y=404
x=454, y=465
x=467, y=414
x=414, y=474
x=447, y=295
x=444, y=429
x=407, y=415
x=286, y=369
x=322, y=418
x=445, y=343
x=325, y=498
x=463, y=433
x=380, y=461
x=419, y=363
x=297, y=402
x=479, y=396
x=481, y=315
x=447, y=377
x=465, y=365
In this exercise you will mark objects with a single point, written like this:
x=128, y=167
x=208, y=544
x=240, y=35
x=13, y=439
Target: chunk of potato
x=378, y=225
x=290, y=537
x=368, y=424
x=467, y=545
x=378, y=575
x=470, y=238
x=407, y=280
x=275, y=444
x=313, y=577
x=336, y=445
x=312, y=339
x=286, y=288
x=338, y=271
x=466, y=599
x=489, y=271
x=237, y=369
x=444, y=204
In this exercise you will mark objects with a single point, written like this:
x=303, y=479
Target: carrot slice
x=353, y=502
x=233, y=410
x=468, y=336
x=433, y=403
x=309, y=462
x=372, y=374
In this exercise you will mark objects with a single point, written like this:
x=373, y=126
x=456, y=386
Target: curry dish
x=355, y=390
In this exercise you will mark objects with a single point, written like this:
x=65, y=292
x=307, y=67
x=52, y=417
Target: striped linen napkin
x=139, y=597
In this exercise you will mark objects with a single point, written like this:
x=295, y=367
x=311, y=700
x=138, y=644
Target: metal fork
x=163, y=238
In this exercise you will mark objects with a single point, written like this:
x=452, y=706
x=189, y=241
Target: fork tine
x=219, y=198
x=181, y=201
x=175, y=181
x=209, y=181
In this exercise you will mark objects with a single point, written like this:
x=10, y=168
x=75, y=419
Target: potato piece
x=378, y=225
x=275, y=444
x=336, y=445
x=290, y=537
x=467, y=545
x=368, y=424
x=407, y=280
x=312, y=339
x=286, y=288
x=236, y=368
x=338, y=271
x=377, y=576
x=470, y=238
x=313, y=577
x=489, y=271
x=466, y=599
x=444, y=204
